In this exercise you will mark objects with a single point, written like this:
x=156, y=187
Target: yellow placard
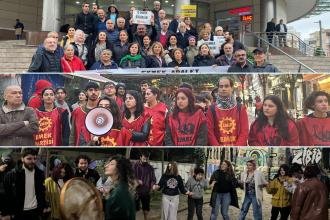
x=189, y=11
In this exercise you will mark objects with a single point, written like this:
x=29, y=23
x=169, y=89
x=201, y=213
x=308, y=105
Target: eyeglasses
x=241, y=55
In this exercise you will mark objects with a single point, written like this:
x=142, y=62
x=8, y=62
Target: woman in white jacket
x=253, y=182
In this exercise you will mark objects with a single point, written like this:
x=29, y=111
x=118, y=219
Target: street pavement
x=155, y=212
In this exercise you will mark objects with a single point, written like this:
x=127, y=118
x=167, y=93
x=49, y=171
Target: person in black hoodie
x=171, y=184
x=204, y=58
x=24, y=189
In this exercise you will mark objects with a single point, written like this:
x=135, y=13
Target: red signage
x=247, y=18
x=236, y=11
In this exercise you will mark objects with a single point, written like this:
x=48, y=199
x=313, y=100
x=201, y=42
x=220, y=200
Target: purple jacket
x=145, y=173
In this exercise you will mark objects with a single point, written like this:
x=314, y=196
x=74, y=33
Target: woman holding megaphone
x=118, y=135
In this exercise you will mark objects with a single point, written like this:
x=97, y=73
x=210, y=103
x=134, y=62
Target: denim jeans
x=257, y=211
x=224, y=200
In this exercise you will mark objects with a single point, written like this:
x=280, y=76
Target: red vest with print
x=314, y=131
x=185, y=127
x=116, y=137
x=157, y=129
x=50, y=128
x=82, y=136
x=136, y=125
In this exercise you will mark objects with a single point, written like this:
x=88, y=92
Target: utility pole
x=321, y=43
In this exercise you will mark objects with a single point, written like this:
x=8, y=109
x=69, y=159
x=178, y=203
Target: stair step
x=19, y=50
x=19, y=59
x=14, y=65
x=16, y=55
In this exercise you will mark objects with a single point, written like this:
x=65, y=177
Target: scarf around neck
x=131, y=58
x=225, y=102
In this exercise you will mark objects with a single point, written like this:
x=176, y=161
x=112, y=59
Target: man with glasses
x=24, y=189
x=227, y=120
x=110, y=92
x=241, y=65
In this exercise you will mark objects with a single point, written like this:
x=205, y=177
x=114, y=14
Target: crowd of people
x=105, y=40
x=142, y=118
x=27, y=195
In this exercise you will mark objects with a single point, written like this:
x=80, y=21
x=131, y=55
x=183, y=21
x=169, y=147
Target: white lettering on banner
x=164, y=71
x=305, y=156
x=142, y=17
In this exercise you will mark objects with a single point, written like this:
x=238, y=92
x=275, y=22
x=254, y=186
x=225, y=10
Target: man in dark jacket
x=282, y=31
x=145, y=175
x=6, y=165
x=47, y=60
x=17, y=122
x=143, y=31
x=260, y=64
x=241, y=64
x=182, y=36
x=24, y=189
x=82, y=162
x=19, y=27
x=270, y=29
x=86, y=22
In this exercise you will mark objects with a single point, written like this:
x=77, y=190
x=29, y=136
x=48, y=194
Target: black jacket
x=173, y=26
x=233, y=192
x=271, y=26
x=14, y=184
x=45, y=62
x=278, y=28
x=91, y=52
x=174, y=63
x=119, y=51
x=203, y=61
x=91, y=175
x=86, y=22
x=236, y=68
x=153, y=62
x=183, y=41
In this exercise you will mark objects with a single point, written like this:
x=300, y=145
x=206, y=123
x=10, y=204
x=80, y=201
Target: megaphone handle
x=95, y=140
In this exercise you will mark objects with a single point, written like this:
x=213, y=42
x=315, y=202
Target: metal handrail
x=302, y=46
x=283, y=52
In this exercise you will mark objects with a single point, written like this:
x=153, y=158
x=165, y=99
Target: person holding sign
x=54, y=129
x=204, y=58
x=134, y=59
x=142, y=18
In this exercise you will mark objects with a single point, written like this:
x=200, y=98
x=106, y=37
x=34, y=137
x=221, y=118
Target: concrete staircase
x=15, y=56
x=285, y=64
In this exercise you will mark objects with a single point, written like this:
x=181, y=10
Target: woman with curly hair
x=120, y=201
x=314, y=129
x=54, y=184
x=273, y=126
x=223, y=183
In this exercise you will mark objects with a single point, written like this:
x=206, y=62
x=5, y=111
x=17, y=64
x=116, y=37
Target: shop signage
x=189, y=11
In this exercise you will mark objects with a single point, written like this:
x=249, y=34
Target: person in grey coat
x=18, y=123
x=260, y=64
x=196, y=185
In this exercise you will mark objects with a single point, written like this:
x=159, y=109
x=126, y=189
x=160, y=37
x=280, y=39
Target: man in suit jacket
x=271, y=27
x=282, y=29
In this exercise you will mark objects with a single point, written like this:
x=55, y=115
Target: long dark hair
x=173, y=170
x=286, y=169
x=57, y=172
x=129, y=48
x=139, y=104
x=191, y=102
x=281, y=117
x=230, y=170
x=114, y=109
x=168, y=40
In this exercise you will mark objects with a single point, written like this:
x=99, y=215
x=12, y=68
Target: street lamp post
x=321, y=42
